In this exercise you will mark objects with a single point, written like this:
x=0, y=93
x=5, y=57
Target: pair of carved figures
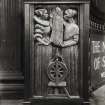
x=57, y=28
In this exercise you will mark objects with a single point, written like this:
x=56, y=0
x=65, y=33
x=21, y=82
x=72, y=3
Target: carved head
x=42, y=13
x=69, y=13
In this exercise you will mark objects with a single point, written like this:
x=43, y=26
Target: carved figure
x=57, y=27
x=42, y=26
x=71, y=32
x=54, y=28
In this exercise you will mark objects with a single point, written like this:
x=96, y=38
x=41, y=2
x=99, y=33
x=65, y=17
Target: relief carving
x=57, y=28
x=42, y=26
x=71, y=32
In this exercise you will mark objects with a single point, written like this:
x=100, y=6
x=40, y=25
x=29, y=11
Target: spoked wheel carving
x=57, y=71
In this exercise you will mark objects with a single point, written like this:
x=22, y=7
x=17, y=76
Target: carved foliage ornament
x=57, y=28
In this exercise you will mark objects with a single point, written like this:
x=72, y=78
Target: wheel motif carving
x=57, y=71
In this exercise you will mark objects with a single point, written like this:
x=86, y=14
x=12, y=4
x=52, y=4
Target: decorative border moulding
x=57, y=2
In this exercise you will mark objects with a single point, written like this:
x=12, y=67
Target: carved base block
x=57, y=101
